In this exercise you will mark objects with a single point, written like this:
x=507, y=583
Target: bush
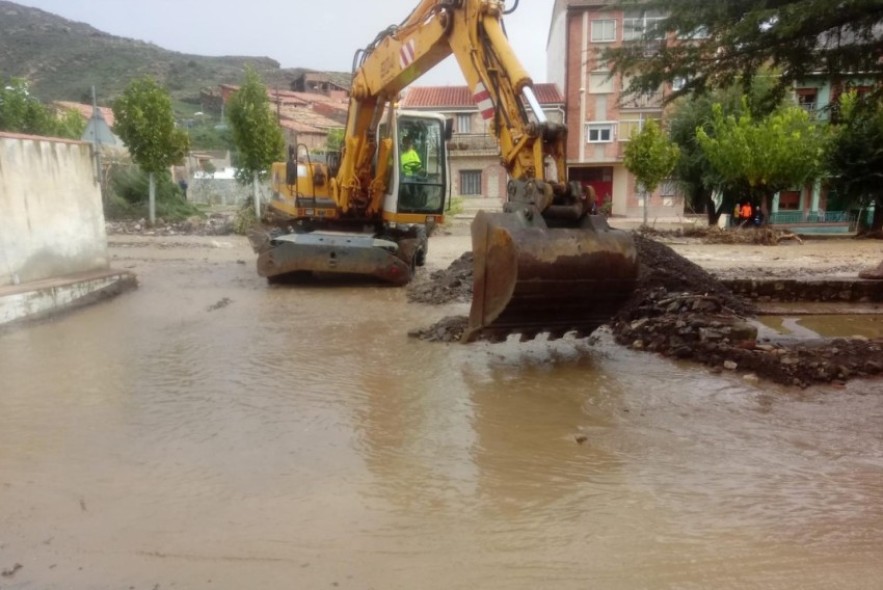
x=245, y=219
x=129, y=192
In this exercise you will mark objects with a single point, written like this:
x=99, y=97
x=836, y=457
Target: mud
x=453, y=283
x=680, y=310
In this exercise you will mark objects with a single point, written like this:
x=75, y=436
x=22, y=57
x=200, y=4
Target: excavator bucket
x=531, y=279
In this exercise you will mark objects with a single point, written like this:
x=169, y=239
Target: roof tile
x=459, y=97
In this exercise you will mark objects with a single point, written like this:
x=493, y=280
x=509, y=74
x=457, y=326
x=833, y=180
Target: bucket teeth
x=557, y=334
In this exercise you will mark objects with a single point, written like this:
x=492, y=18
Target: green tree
x=695, y=174
x=781, y=151
x=70, y=124
x=719, y=43
x=855, y=156
x=335, y=140
x=20, y=112
x=651, y=157
x=146, y=124
x=256, y=133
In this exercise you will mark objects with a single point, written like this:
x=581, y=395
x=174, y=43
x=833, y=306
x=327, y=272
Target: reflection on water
x=826, y=326
x=297, y=438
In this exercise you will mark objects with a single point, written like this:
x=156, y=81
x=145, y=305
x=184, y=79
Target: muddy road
x=211, y=431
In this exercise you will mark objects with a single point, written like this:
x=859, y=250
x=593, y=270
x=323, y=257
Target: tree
x=855, y=156
x=335, y=140
x=781, y=151
x=719, y=43
x=255, y=132
x=20, y=112
x=651, y=157
x=695, y=174
x=146, y=124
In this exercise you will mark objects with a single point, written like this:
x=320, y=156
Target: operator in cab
x=411, y=163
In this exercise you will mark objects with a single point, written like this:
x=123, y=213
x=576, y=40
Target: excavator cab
x=419, y=183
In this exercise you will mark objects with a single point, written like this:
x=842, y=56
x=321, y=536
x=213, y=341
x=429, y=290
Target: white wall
x=51, y=217
x=556, y=50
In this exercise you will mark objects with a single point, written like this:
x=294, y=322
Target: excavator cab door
x=420, y=173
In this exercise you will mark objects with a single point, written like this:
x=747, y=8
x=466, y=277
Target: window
x=633, y=123
x=600, y=83
x=641, y=25
x=789, y=200
x=470, y=182
x=639, y=100
x=695, y=34
x=599, y=132
x=678, y=83
x=603, y=31
x=464, y=123
x=807, y=98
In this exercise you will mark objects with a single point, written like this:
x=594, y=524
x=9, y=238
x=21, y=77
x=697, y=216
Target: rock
x=875, y=274
x=731, y=365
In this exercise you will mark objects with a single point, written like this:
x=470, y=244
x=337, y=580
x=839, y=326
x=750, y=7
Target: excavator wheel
x=530, y=279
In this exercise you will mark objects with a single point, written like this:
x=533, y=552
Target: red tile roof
x=306, y=120
x=289, y=97
x=459, y=97
x=86, y=110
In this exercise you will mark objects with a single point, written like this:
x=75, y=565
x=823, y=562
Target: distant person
x=182, y=184
x=747, y=213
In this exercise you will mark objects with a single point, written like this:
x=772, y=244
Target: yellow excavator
x=542, y=265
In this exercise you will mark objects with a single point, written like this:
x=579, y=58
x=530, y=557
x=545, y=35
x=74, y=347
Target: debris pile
x=214, y=224
x=679, y=310
x=445, y=286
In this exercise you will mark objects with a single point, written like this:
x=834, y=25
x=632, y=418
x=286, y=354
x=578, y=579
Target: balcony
x=473, y=144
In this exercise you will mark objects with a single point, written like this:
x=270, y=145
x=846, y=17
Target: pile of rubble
x=679, y=310
x=214, y=224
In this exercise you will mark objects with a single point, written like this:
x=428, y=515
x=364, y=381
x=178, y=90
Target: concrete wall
x=51, y=216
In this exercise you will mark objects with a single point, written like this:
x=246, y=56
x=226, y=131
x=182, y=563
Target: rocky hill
x=63, y=59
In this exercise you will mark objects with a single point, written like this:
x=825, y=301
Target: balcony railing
x=472, y=142
x=788, y=217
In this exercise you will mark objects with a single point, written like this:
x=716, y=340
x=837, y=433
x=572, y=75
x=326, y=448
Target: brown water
x=826, y=325
x=209, y=431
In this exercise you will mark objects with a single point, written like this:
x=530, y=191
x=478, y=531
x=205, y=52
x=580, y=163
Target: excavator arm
x=472, y=31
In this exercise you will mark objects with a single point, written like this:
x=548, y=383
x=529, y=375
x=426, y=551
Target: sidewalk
x=44, y=298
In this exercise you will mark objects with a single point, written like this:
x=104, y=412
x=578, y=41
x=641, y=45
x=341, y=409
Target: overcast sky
x=315, y=34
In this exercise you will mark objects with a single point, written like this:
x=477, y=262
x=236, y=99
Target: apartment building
x=600, y=120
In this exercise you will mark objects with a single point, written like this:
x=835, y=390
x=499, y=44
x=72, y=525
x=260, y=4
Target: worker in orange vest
x=746, y=213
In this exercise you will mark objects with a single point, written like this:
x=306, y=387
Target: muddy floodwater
x=210, y=431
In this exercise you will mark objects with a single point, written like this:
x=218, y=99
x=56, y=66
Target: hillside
x=63, y=59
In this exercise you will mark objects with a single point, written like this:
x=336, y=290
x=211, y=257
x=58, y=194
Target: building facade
x=473, y=153
x=600, y=120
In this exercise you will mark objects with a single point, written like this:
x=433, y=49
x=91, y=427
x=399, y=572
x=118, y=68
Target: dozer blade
x=532, y=279
x=334, y=253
